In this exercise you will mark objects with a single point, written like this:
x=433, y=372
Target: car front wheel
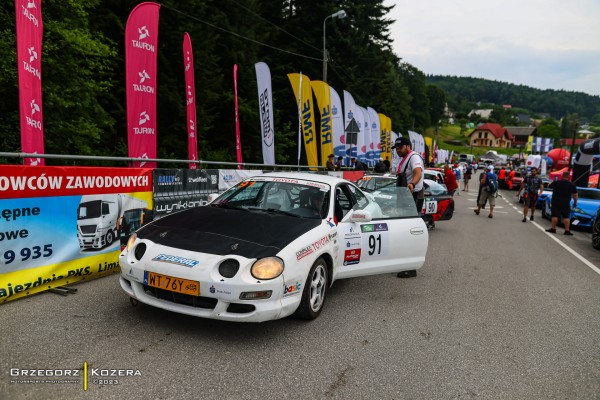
x=596, y=235
x=315, y=289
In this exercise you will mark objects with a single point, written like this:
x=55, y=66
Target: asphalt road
x=499, y=311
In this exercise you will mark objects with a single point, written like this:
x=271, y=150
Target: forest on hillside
x=462, y=93
x=83, y=73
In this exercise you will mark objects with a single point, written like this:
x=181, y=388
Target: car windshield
x=591, y=194
x=435, y=188
x=370, y=183
x=278, y=196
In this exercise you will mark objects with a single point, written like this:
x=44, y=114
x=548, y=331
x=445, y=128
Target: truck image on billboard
x=98, y=217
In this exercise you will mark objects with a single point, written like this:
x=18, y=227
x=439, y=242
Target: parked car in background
x=437, y=206
x=584, y=215
x=541, y=198
x=515, y=183
x=434, y=175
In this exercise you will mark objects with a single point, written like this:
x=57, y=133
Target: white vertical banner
x=365, y=132
x=375, y=134
x=337, y=124
x=265, y=106
x=350, y=113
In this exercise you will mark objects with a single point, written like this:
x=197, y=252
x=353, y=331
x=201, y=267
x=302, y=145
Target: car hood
x=223, y=231
x=588, y=205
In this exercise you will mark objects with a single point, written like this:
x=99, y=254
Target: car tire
x=596, y=235
x=544, y=214
x=315, y=289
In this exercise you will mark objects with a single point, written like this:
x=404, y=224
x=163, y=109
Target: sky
x=545, y=44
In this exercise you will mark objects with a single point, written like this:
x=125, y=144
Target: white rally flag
x=375, y=146
x=337, y=124
x=265, y=106
x=350, y=113
x=365, y=138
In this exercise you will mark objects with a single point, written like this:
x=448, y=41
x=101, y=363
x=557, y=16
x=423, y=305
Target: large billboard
x=60, y=225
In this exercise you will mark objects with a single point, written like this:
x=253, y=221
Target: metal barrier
x=130, y=160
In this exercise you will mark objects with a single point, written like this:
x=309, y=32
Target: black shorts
x=561, y=211
x=530, y=199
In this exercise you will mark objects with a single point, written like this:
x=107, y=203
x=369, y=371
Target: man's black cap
x=402, y=141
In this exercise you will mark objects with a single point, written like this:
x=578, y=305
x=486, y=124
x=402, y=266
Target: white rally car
x=271, y=247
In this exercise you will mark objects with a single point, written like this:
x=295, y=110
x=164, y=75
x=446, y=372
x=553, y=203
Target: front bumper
x=205, y=306
x=219, y=297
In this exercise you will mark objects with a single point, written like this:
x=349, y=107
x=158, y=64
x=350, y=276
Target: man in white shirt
x=410, y=174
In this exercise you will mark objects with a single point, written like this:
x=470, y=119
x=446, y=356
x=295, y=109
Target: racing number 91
x=374, y=244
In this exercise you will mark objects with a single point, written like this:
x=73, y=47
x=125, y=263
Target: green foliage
x=84, y=73
x=464, y=93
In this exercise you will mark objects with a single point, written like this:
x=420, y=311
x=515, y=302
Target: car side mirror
x=360, y=216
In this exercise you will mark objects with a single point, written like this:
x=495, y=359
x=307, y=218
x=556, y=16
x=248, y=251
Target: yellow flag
x=429, y=144
x=323, y=95
x=529, y=144
x=386, y=136
x=303, y=93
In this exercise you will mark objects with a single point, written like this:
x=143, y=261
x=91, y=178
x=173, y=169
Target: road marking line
x=570, y=250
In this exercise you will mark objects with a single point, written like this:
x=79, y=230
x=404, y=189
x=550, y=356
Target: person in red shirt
x=450, y=180
x=502, y=177
x=511, y=175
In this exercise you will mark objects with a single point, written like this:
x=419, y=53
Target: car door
x=394, y=239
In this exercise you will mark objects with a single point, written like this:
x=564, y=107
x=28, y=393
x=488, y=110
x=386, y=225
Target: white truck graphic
x=97, y=217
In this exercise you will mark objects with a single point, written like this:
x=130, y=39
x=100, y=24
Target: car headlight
x=267, y=268
x=131, y=241
x=578, y=210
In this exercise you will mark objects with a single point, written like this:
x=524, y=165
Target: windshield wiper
x=229, y=206
x=274, y=211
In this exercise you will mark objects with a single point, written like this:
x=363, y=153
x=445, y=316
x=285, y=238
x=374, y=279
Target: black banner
x=179, y=189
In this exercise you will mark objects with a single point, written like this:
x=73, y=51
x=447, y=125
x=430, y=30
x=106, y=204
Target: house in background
x=483, y=113
x=491, y=135
x=524, y=119
x=521, y=134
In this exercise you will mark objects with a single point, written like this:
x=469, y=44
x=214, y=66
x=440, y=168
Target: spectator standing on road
x=534, y=187
x=330, y=164
x=380, y=166
x=502, y=178
x=387, y=165
x=481, y=186
x=410, y=174
x=468, y=173
x=450, y=180
x=511, y=176
x=457, y=172
x=339, y=163
x=487, y=194
x=358, y=165
x=562, y=191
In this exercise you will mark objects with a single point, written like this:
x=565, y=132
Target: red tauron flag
x=29, y=61
x=141, y=47
x=190, y=99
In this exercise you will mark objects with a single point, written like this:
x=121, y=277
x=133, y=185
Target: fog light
x=139, y=251
x=265, y=294
x=229, y=268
